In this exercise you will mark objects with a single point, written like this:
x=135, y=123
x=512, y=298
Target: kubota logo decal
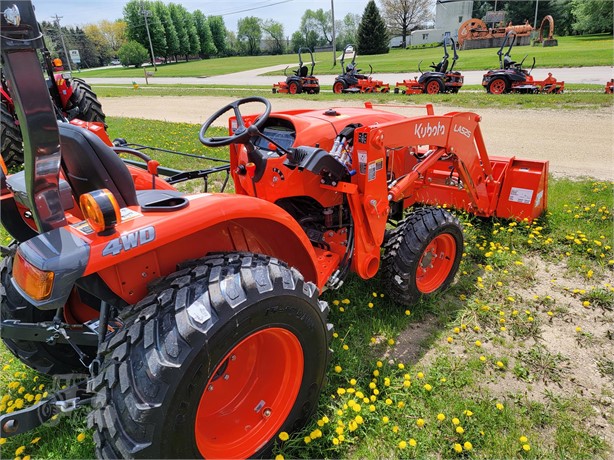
x=420, y=130
x=129, y=241
x=462, y=130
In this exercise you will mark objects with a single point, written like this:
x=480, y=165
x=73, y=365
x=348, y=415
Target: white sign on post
x=74, y=56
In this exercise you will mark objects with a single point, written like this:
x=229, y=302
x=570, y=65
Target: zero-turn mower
x=302, y=81
x=439, y=80
x=352, y=81
x=190, y=323
x=609, y=87
x=72, y=97
x=511, y=77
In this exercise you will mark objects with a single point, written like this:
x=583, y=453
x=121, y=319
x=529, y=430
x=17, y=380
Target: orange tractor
x=302, y=81
x=352, y=81
x=193, y=321
x=511, y=77
x=609, y=87
x=439, y=80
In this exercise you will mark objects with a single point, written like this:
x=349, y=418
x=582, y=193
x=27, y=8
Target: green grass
x=592, y=50
x=459, y=351
x=577, y=97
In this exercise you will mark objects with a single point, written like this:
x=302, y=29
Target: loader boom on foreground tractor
x=194, y=320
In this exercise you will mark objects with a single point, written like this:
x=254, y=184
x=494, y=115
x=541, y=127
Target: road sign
x=74, y=56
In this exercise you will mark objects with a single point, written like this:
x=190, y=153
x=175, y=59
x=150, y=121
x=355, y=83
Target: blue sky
x=288, y=12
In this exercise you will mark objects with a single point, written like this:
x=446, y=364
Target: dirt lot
x=577, y=143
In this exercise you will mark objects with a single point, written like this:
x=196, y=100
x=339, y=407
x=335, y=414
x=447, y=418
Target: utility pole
x=146, y=14
x=57, y=23
x=535, y=22
x=332, y=9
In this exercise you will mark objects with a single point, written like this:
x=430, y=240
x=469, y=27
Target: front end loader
x=193, y=320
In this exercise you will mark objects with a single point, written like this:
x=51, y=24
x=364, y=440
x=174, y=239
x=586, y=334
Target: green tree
x=207, y=47
x=170, y=33
x=372, y=33
x=132, y=53
x=103, y=50
x=176, y=12
x=134, y=15
x=218, y=32
x=193, y=38
x=297, y=41
x=275, y=35
x=593, y=16
x=318, y=23
x=346, y=30
x=249, y=34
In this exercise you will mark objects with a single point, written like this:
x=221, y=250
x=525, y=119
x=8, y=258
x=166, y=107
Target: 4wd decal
x=427, y=130
x=129, y=241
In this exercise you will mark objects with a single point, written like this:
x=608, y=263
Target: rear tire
x=10, y=134
x=498, y=86
x=215, y=362
x=90, y=108
x=295, y=87
x=339, y=86
x=422, y=255
x=434, y=86
x=45, y=358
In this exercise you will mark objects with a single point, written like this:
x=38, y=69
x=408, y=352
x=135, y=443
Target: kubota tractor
x=439, y=80
x=72, y=97
x=302, y=80
x=191, y=323
x=352, y=81
x=511, y=77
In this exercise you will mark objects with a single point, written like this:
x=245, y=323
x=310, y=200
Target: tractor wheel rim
x=497, y=87
x=337, y=88
x=250, y=395
x=293, y=89
x=435, y=263
x=432, y=87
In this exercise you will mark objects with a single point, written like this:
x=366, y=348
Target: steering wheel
x=241, y=133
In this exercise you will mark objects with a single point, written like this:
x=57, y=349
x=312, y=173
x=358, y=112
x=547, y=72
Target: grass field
x=592, y=50
x=513, y=361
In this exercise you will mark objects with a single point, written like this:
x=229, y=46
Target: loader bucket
x=524, y=191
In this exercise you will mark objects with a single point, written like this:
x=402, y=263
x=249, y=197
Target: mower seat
x=89, y=164
x=303, y=71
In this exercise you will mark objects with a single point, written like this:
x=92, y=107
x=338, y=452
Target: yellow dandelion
x=460, y=430
x=526, y=447
x=279, y=457
x=468, y=446
x=20, y=450
x=458, y=448
x=338, y=369
x=441, y=417
x=402, y=445
x=81, y=437
x=523, y=439
x=284, y=436
x=420, y=422
x=412, y=442
x=427, y=387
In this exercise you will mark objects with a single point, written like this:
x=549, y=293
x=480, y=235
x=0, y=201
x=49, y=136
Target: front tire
x=214, y=363
x=498, y=86
x=295, y=87
x=422, y=255
x=10, y=134
x=434, y=86
x=339, y=87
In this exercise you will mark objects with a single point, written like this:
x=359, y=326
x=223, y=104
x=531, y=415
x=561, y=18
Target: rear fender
x=151, y=245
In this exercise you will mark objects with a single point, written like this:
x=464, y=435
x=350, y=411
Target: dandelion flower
x=412, y=442
x=420, y=375
x=402, y=445
x=81, y=437
x=523, y=439
x=500, y=364
x=390, y=341
x=338, y=369
x=407, y=312
x=307, y=439
x=385, y=419
x=499, y=406
x=483, y=358
x=468, y=413
x=578, y=329
x=284, y=436
x=458, y=448
x=478, y=343
x=441, y=417
x=468, y=446
x=420, y=422
x=20, y=450
x=427, y=387
x=455, y=421
x=526, y=447
x=450, y=339
x=460, y=430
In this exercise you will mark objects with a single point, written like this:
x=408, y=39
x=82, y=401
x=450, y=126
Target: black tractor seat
x=89, y=164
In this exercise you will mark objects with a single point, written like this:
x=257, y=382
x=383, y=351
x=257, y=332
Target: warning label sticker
x=374, y=167
x=362, y=162
x=538, y=198
x=521, y=195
